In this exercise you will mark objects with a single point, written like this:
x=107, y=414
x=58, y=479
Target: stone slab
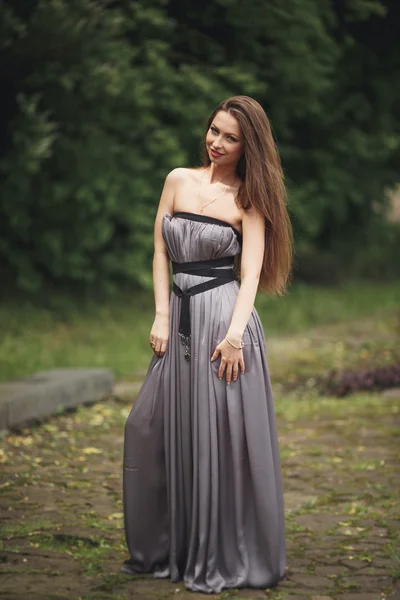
x=392, y=393
x=295, y=499
x=47, y=392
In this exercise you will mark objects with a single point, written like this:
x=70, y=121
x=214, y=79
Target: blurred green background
x=99, y=100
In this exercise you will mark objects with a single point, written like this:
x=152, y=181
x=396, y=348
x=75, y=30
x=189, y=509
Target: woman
x=202, y=484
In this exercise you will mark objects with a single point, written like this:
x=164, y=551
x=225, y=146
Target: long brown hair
x=262, y=188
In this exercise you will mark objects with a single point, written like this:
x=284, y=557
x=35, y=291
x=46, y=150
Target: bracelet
x=237, y=347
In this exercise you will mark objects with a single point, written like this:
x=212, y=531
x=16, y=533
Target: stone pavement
x=61, y=511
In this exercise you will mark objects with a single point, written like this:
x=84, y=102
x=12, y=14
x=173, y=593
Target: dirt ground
x=61, y=505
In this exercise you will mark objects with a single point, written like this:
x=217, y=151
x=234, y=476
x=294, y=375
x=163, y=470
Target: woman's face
x=224, y=140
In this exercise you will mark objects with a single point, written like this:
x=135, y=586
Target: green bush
x=100, y=100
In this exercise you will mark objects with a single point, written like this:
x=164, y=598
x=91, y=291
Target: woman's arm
x=160, y=330
x=253, y=228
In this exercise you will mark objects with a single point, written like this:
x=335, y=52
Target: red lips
x=215, y=154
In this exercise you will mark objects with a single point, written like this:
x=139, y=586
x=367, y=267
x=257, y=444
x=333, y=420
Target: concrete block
x=45, y=393
x=392, y=393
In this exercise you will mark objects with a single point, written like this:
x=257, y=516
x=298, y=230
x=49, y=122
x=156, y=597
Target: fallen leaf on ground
x=91, y=450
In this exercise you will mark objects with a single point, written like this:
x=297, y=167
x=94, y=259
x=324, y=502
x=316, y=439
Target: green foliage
x=87, y=149
x=100, y=100
x=325, y=73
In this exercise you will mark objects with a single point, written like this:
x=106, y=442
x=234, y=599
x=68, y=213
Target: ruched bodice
x=188, y=239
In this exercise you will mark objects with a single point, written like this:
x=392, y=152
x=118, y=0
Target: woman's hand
x=159, y=334
x=231, y=361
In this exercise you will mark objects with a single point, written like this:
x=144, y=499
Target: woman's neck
x=225, y=174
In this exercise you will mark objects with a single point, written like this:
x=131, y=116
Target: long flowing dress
x=202, y=484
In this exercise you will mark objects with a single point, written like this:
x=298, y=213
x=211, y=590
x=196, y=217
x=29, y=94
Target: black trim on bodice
x=202, y=268
x=205, y=219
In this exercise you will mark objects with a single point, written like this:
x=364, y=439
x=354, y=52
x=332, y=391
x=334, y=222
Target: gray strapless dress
x=202, y=484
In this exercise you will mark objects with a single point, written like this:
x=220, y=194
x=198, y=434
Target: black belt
x=203, y=268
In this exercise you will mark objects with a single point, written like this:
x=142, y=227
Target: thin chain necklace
x=203, y=206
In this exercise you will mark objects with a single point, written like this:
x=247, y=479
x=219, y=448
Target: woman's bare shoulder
x=182, y=175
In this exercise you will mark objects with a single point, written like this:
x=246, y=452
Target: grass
x=115, y=333
x=311, y=306
x=351, y=417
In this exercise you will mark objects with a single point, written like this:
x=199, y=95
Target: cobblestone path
x=61, y=512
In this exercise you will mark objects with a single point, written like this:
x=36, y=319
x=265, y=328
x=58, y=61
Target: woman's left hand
x=231, y=361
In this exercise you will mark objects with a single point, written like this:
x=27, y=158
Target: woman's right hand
x=159, y=335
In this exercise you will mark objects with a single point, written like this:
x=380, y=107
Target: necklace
x=203, y=206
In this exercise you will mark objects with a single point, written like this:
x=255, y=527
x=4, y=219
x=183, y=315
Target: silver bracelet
x=237, y=347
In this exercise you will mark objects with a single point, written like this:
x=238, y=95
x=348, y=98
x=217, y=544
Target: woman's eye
x=228, y=137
